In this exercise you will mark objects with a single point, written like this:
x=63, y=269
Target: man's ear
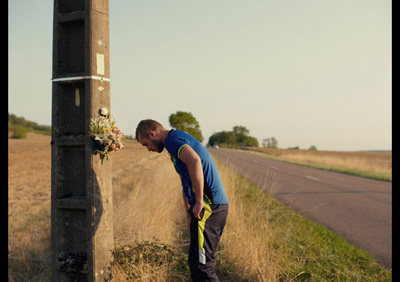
x=151, y=134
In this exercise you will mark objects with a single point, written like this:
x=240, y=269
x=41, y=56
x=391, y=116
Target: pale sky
x=310, y=72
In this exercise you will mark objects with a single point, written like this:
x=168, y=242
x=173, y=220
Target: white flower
x=103, y=112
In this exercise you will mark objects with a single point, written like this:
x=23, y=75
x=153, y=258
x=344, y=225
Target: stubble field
x=376, y=165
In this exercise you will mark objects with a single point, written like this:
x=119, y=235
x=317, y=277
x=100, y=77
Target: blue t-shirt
x=214, y=192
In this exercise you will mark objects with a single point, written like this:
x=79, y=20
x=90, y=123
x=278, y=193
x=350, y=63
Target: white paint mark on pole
x=77, y=97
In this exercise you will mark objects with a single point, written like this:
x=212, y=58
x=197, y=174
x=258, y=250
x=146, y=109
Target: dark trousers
x=204, y=238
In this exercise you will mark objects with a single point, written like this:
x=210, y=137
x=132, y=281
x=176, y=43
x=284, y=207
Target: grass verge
x=263, y=241
x=267, y=241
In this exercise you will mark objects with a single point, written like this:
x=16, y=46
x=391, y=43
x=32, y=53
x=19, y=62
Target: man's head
x=147, y=134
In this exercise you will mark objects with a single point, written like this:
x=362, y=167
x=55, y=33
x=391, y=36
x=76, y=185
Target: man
x=204, y=196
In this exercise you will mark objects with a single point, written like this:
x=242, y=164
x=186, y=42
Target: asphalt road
x=356, y=208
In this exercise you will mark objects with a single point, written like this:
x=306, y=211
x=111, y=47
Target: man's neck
x=162, y=135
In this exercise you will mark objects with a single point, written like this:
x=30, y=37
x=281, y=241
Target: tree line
x=19, y=127
x=239, y=136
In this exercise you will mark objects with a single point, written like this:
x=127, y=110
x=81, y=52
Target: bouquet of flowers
x=105, y=137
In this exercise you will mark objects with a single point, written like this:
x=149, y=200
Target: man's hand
x=198, y=210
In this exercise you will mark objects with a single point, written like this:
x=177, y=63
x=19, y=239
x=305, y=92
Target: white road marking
x=273, y=167
x=313, y=178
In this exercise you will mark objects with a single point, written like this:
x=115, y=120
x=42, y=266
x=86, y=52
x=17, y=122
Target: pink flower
x=106, y=142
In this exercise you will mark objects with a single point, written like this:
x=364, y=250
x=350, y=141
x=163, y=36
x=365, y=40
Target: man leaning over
x=204, y=195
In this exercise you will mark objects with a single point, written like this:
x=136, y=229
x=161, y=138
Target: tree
x=249, y=141
x=265, y=142
x=274, y=142
x=240, y=130
x=187, y=122
x=270, y=142
x=237, y=137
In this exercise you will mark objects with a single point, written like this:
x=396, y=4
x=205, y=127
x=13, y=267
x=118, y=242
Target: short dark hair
x=147, y=125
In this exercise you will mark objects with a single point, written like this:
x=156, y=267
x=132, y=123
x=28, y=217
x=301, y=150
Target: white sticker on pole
x=100, y=63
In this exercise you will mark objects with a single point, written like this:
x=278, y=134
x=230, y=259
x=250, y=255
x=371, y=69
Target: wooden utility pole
x=81, y=187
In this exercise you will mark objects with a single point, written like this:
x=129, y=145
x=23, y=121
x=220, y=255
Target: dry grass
x=261, y=242
x=148, y=208
x=147, y=205
x=248, y=243
x=29, y=190
x=29, y=173
x=369, y=164
x=147, y=196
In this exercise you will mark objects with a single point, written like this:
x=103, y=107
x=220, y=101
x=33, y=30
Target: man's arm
x=193, y=163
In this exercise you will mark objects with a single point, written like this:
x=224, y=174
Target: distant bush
x=19, y=132
x=232, y=139
x=19, y=124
